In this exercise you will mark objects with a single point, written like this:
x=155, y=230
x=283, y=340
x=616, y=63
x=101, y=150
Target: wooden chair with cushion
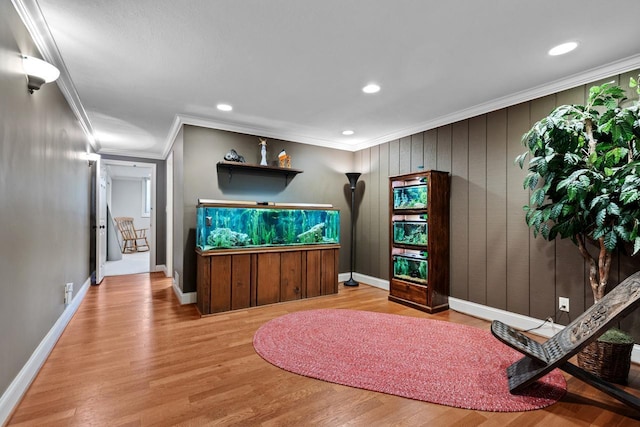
x=542, y=358
x=133, y=240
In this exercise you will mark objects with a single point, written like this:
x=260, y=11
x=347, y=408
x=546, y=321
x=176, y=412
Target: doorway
x=130, y=193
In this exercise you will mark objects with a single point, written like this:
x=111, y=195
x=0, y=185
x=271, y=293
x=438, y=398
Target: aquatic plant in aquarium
x=411, y=267
x=410, y=197
x=225, y=227
x=410, y=232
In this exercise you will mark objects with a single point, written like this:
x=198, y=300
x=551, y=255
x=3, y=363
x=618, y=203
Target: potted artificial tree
x=584, y=174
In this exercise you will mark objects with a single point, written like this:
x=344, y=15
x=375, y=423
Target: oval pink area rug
x=422, y=359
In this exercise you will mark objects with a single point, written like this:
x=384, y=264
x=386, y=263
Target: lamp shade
x=38, y=72
x=353, y=178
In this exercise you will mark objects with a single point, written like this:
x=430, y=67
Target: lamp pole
x=353, y=179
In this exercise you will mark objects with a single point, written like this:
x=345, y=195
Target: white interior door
x=101, y=213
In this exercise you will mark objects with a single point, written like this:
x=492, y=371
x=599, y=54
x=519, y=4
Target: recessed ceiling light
x=224, y=107
x=563, y=48
x=371, y=88
x=348, y=132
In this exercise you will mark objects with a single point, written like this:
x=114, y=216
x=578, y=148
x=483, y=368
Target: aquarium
x=225, y=226
x=410, y=197
x=410, y=232
x=411, y=267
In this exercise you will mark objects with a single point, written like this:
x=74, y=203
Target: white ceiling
x=294, y=69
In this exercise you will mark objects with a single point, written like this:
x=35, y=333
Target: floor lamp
x=353, y=179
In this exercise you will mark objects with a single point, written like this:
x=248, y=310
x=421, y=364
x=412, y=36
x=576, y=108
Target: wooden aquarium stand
x=232, y=279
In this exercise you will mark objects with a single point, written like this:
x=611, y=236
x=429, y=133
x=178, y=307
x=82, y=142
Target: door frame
x=151, y=236
x=169, y=213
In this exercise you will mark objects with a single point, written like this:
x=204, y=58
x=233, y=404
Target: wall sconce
x=92, y=158
x=38, y=72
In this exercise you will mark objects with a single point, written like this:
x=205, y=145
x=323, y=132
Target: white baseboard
x=369, y=280
x=515, y=320
x=184, y=298
x=162, y=268
x=12, y=395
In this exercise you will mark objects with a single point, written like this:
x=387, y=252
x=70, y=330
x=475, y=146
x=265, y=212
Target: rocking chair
x=133, y=240
x=542, y=358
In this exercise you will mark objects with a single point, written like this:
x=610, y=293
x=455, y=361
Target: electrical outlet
x=68, y=293
x=563, y=304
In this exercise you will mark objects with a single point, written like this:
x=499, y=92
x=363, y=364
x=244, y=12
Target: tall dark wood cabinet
x=419, y=240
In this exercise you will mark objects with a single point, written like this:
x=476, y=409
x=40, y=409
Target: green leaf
x=537, y=197
x=521, y=158
x=544, y=230
x=622, y=232
x=600, y=217
x=584, y=181
x=613, y=209
x=616, y=154
x=629, y=196
x=531, y=181
x=556, y=210
x=610, y=241
x=636, y=245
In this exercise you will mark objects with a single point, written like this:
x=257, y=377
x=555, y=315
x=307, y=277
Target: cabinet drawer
x=409, y=291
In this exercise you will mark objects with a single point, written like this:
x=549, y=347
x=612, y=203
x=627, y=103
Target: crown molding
x=592, y=75
x=186, y=119
x=31, y=15
x=129, y=153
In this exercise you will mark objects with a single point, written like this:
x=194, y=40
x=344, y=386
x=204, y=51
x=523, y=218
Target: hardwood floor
x=133, y=356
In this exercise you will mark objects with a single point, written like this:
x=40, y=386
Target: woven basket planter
x=609, y=361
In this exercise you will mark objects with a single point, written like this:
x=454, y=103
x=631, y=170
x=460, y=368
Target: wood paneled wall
x=495, y=260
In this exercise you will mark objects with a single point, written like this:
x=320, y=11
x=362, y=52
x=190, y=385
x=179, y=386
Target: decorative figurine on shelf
x=284, y=160
x=233, y=156
x=263, y=151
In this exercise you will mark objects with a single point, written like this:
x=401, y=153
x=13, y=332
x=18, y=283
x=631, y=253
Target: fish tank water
x=220, y=225
x=410, y=197
x=410, y=232
x=411, y=267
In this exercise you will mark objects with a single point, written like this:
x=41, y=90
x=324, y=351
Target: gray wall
x=323, y=181
x=126, y=200
x=494, y=258
x=44, y=203
x=161, y=202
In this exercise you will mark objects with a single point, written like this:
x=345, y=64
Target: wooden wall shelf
x=232, y=167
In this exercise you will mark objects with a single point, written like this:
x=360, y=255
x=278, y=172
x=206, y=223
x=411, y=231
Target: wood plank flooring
x=132, y=356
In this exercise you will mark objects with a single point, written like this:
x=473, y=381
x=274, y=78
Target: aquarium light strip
x=252, y=203
x=310, y=205
x=231, y=202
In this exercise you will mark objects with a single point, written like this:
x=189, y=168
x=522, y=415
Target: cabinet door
x=204, y=284
x=220, y=283
x=329, y=284
x=268, y=279
x=240, y=281
x=290, y=276
x=313, y=274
